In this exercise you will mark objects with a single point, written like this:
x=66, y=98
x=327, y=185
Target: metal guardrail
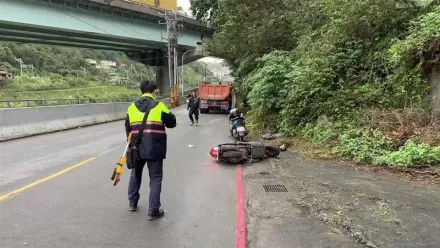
x=20, y=103
x=17, y=103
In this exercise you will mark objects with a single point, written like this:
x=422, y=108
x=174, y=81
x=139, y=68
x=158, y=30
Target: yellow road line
x=3, y=197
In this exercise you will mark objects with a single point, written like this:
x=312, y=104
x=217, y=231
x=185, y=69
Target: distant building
x=106, y=64
x=103, y=64
x=92, y=61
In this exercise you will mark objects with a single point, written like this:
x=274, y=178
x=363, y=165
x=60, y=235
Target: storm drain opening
x=275, y=188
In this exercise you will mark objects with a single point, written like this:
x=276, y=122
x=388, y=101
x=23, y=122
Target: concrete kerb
x=16, y=123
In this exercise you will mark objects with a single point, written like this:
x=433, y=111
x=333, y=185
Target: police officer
x=193, y=107
x=153, y=148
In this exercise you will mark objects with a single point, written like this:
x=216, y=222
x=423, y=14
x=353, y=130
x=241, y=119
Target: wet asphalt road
x=81, y=208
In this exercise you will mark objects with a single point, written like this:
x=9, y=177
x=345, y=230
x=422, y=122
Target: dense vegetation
x=61, y=72
x=349, y=75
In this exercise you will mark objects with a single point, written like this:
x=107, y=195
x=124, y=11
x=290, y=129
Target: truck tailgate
x=214, y=92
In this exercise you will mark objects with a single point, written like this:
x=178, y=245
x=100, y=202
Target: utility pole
x=176, y=67
x=171, y=19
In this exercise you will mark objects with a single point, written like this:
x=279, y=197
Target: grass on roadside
x=403, y=143
x=50, y=87
x=107, y=92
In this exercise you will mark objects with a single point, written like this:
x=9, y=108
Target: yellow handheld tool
x=120, y=165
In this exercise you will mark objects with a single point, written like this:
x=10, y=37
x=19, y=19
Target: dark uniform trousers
x=155, y=170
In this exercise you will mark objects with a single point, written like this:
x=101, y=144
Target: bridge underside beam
x=58, y=43
x=27, y=34
x=191, y=59
x=47, y=20
x=192, y=55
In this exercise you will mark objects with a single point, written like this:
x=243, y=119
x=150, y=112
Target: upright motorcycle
x=238, y=128
x=243, y=152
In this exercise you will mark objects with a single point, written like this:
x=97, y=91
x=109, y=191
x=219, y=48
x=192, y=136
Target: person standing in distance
x=153, y=148
x=193, y=107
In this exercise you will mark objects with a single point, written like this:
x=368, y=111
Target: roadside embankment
x=23, y=122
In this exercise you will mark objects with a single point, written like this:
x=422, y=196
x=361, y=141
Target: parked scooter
x=238, y=127
x=243, y=152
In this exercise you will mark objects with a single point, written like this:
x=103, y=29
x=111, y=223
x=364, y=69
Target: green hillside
x=50, y=72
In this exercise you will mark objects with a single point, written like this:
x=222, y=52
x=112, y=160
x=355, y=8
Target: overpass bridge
x=138, y=30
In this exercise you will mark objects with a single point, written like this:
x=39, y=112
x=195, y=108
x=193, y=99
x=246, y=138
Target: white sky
x=185, y=5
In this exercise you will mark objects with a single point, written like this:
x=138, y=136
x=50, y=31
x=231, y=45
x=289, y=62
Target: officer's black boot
x=133, y=206
x=156, y=215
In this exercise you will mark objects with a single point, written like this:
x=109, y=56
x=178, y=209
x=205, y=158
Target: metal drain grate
x=275, y=188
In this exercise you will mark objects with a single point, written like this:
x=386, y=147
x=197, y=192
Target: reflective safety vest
x=154, y=137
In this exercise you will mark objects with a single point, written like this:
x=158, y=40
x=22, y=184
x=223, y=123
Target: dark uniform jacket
x=154, y=140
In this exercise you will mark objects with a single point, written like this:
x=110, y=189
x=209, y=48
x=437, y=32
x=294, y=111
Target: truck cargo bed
x=214, y=92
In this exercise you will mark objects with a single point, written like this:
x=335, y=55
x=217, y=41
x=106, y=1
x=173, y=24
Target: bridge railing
x=19, y=103
x=23, y=103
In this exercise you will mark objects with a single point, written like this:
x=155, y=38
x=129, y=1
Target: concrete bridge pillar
x=156, y=58
x=163, y=80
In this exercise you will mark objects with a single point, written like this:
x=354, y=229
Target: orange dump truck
x=216, y=96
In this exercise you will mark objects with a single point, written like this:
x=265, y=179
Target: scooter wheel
x=272, y=151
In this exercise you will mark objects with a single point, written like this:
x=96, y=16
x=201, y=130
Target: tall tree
x=204, y=9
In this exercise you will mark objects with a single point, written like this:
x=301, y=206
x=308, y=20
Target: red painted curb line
x=240, y=241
